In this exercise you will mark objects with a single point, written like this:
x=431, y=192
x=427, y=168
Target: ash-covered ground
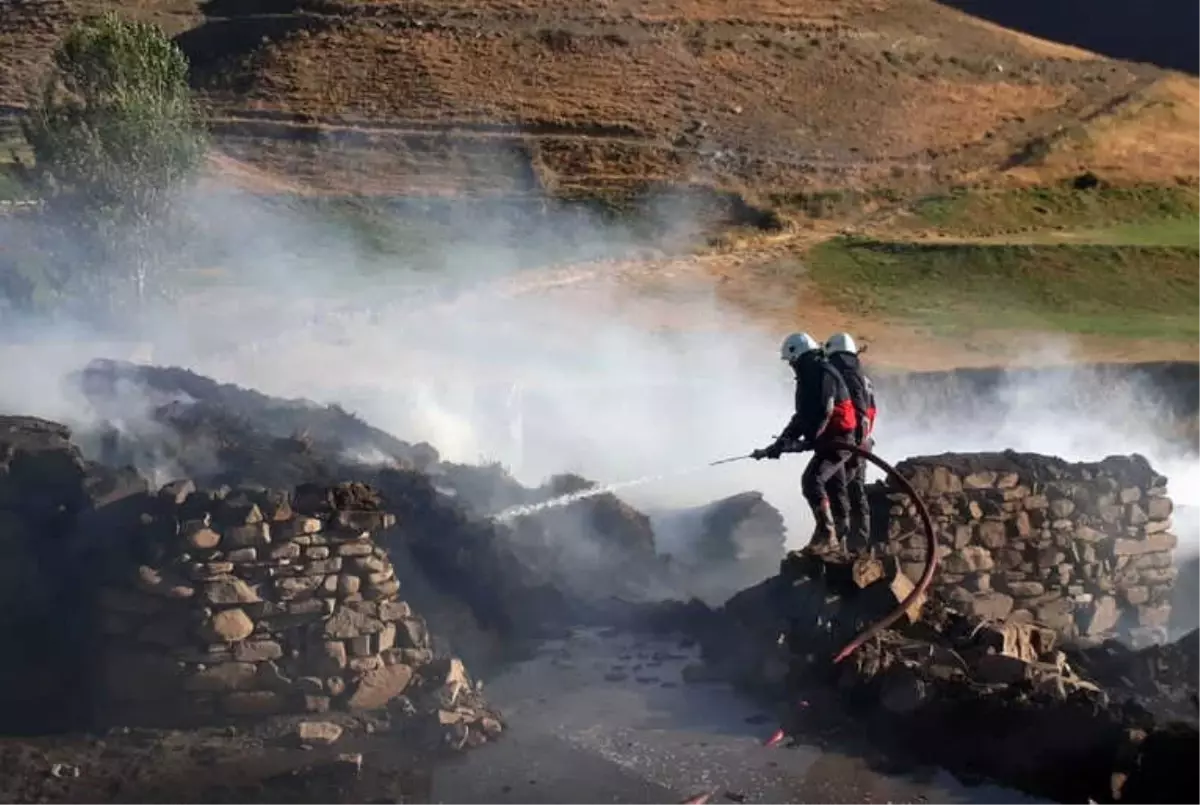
x=594, y=716
x=618, y=676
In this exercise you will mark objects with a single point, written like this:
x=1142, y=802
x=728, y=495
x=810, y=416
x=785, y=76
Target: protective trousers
x=856, y=490
x=824, y=484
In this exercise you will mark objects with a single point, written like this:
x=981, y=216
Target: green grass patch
x=1167, y=232
x=1131, y=291
x=1147, y=209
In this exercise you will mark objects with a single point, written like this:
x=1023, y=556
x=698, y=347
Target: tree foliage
x=115, y=137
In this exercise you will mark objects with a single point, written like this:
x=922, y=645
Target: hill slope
x=574, y=97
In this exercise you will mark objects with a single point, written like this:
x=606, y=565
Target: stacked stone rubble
x=993, y=698
x=1083, y=548
x=256, y=602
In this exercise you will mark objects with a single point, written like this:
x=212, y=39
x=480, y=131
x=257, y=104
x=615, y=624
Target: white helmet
x=841, y=342
x=797, y=344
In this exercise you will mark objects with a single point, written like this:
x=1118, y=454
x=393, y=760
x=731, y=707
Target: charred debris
x=239, y=554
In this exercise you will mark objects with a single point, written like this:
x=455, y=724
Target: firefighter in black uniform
x=824, y=412
x=842, y=353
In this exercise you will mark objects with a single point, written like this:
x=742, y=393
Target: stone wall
x=255, y=602
x=1085, y=548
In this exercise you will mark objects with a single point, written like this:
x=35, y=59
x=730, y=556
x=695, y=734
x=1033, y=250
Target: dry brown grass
x=28, y=34
x=762, y=95
x=1153, y=137
x=600, y=97
x=757, y=11
x=228, y=172
x=941, y=114
x=1035, y=45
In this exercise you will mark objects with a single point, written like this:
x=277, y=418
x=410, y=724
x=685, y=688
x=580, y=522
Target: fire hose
x=930, y=553
x=926, y=521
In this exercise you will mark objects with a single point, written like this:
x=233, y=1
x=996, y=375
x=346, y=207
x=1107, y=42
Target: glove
x=775, y=450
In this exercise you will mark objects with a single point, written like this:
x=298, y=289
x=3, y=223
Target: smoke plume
x=463, y=342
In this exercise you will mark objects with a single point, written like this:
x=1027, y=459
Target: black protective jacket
x=860, y=388
x=823, y=405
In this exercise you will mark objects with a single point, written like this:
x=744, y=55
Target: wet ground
x=597, y=717
x=604, y=717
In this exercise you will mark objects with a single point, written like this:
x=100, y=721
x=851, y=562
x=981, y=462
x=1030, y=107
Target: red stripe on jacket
x=843, y=419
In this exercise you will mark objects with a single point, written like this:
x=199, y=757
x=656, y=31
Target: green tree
x=115, y=141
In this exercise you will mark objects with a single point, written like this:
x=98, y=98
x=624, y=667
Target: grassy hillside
x=1145, y=214
x=1130, y=291
x=1077, y=257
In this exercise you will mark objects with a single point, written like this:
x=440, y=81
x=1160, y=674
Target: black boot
x=825, y=535
x=858, y=532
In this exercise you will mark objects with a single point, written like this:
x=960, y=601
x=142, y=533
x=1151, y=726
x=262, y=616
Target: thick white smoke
x=489, y=361
x=1076, y=413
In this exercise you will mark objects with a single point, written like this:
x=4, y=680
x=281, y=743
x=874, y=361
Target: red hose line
x=930, y=553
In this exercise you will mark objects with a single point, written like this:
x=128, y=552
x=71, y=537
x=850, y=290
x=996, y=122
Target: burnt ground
x=596, y=716
x=617, y=710
x=254, y=763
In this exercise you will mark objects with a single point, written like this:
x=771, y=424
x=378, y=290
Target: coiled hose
x=926, y=576
x=930, y=554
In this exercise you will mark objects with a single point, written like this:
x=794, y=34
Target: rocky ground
x=988, y=697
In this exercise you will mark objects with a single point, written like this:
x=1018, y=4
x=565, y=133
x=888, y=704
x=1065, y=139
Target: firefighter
x=842, y=354
x=823, y=413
